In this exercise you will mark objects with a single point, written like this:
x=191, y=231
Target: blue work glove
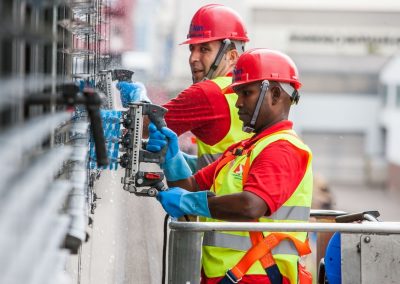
x=191, y=160
x=82, y=84
x=157, y=141
x=112, y=131
x=178, y=202
x=132, y=92
x=174, y=166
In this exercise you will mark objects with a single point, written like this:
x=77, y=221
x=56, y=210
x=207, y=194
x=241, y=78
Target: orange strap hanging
x=264, y=247
x=246, y=168
x=267, y=260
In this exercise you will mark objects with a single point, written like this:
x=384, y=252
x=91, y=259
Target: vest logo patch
x=196, y=31
x=196, y=28
x=238, y=172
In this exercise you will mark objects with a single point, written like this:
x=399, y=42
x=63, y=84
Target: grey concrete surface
x=125, y=243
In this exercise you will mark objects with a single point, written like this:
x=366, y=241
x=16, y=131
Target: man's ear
x=275, y=94
x=232, y=56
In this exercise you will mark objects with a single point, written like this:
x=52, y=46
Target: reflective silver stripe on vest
x=206, y=159
x=295, y=213
x=217, y=239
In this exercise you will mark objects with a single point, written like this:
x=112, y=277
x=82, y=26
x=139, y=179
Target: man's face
x=202, y=55
x=246, y=103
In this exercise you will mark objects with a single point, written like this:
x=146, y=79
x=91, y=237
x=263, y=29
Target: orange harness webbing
x=263, y=249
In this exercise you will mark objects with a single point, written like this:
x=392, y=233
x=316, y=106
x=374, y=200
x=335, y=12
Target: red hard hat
x=216, y=22
x=265, y=64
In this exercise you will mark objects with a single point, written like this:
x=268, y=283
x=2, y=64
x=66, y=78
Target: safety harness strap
x=258, y=252
x=267, y=261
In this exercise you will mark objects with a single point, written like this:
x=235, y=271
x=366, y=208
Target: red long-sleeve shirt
x=201, y=109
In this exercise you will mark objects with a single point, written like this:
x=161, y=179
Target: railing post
x=184, y=255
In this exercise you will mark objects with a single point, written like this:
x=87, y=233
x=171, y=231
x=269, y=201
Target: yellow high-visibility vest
x=209, y=153
x=223, y=250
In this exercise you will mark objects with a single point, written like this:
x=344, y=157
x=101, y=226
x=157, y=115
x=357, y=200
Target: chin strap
x=264, y=88
x=222, y=50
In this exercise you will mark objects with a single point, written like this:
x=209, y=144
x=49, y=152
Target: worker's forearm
x=243, y=206
x=189, y=184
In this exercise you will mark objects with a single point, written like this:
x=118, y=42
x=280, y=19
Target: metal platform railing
x=185, y=241
x=374, y=228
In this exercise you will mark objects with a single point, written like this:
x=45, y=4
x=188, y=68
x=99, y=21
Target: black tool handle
x=354, y=217
x=93, y=109
x=92, y=102
x=156, y=114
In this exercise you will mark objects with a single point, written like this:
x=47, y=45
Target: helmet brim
x=297, y=85
x=240, y=83
x=197, y=40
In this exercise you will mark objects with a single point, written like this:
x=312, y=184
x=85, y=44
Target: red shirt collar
x=281, y=125
x=228, y=89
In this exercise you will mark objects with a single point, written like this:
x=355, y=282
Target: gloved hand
x=174, y=166
x=132, y=92
x=157, y=141
x=177, y=202
x=82, y=84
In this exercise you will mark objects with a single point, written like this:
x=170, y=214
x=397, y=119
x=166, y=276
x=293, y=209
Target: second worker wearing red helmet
x=216, y=38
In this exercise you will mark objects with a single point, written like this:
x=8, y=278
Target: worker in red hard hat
x=221, y=29
x=216, y=38
x=266, y=178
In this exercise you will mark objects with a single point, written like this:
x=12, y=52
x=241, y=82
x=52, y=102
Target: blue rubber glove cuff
x=177, y=202
x=192, y=161
x=132, y=92
x=176, y=168
x=195, y=203
x=142, y=92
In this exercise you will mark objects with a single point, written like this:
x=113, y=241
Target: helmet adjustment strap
x=264, y=88
x=292, y=92
x=295, y=97
x=223, y=48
